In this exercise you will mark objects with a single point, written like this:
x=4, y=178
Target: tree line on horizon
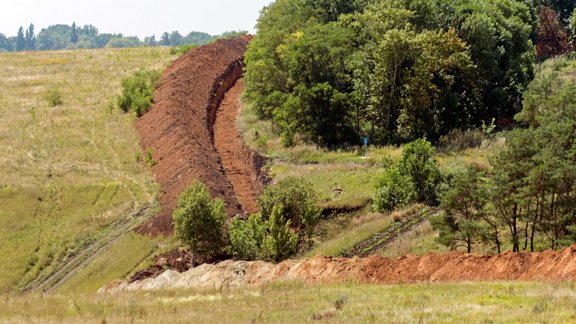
x=62, y=36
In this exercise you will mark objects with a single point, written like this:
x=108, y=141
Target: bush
x=419, y=166
x=393, y=190
x=246, y=237
x=281, y=241
x=138, y=92
x=54, y=98
x=298, y=199
x=415, y=178
x=255, y=238
x=181, y=50
x=199, y=220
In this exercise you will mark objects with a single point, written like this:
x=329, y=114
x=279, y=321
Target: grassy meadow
x=69, y=158
x=296, y=302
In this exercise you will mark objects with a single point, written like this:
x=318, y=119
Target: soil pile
x=450, y=267
x=179, y=129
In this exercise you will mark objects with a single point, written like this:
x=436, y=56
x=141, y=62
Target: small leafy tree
x=419, y=166
x=138, y=92
x=299, y=203
x=246, y=237
x=199, y=220
x=281, y=241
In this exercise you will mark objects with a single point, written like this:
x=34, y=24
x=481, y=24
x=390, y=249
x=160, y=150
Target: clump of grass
x=181, y=50
x=54, y=98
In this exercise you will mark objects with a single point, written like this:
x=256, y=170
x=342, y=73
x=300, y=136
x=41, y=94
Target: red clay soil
x=179, y=129
x=236, y=158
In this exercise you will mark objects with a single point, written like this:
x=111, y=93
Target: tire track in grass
x=391, y=233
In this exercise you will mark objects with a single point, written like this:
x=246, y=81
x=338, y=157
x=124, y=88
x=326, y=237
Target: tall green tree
x=464, y=209
x=74, y=34
x=199, y=220
x=20, y=40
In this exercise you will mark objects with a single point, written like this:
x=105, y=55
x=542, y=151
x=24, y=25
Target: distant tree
x=197, y=38
x=54, y=37
x=20, y=41
x=30, y=38
x=199, y=220
x=176, y=39
x=5, y=43
x=74, y=34
x=165, y=39
x=150, y=41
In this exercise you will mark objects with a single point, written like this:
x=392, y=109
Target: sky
x=134, y=17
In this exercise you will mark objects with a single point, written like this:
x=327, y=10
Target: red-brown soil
x=449, y=267
x=179, y=129
x=238, y=161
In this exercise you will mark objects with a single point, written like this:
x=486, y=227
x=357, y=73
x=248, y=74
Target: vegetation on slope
x=69, y=172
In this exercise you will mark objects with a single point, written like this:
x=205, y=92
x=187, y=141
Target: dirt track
x=180, y=130
x=449, y=267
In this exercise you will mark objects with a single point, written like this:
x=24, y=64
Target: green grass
x=68, y=170
x=348, y=237
x=496, y=302
x=115, y=263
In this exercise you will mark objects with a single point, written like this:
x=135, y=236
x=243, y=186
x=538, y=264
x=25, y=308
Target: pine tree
x=20, y=41
x=74, y=37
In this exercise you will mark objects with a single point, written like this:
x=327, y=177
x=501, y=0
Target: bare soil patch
x=179, y=129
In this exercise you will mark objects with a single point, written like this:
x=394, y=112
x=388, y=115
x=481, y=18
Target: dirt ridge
x=179, y=129
x=448, y=267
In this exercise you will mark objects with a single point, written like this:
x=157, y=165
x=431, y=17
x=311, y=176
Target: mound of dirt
x=179, y=130
x=450, y=267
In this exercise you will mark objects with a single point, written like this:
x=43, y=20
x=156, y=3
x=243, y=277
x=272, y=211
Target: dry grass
x=68, y=171
x=498, y=302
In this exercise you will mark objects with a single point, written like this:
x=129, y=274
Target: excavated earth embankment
x=449, y=267
x=180, y=131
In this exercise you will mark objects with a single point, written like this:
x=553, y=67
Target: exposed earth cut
x=449, y=267
x=189, y=140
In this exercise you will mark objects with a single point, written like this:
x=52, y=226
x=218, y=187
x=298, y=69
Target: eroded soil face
x=449, y=267
x=187, y=120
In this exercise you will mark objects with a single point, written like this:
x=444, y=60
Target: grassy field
x=295, y=302
x=69, y=167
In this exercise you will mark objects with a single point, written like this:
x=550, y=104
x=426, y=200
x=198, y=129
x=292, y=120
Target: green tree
x=247, y=236
x=5, y=43
x=74, y=34
x=393, y=190
x=165, y=39
x=464, y=209
x=199, y=220
x=20, y=40
x=30, y=38
x=299, y=203
x=281, y=241
x=419, y=166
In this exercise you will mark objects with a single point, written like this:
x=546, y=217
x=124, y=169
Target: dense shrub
x=393, y=190
x=138, y=92
x=199, y=220
x=246, y=237
x=255, y=238
x=415, y=178
x=298, y=199
x=418, y=165
x=183, y=49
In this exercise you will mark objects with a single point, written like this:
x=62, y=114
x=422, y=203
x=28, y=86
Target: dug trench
x=191, y=131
